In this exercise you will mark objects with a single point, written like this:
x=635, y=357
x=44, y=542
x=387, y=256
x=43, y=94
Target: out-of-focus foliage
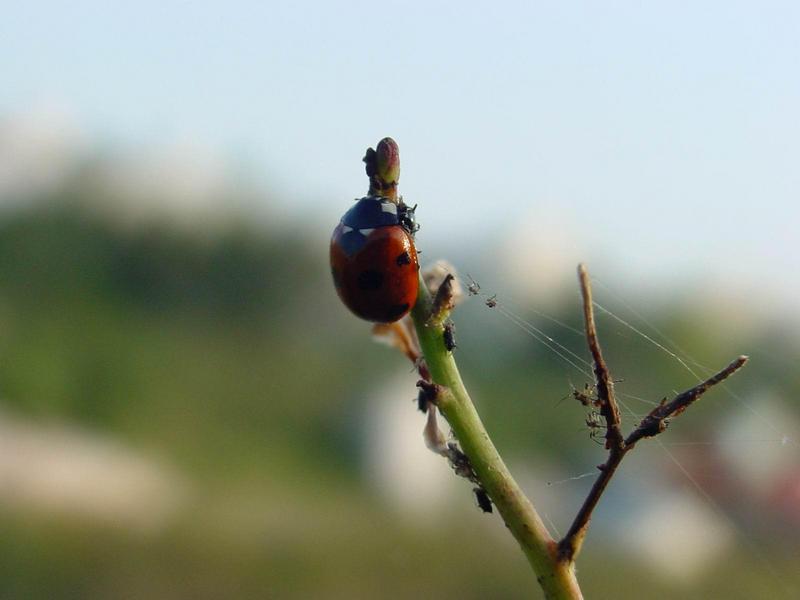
x=223, y=355
x=189, y=342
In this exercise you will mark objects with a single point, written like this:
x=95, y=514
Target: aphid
x=586, y=396
x=374, y=261
x=595, y=424
x=423, y=399
x=484, y=502
x=428, y=393
x=491, y=302
x=474, y=287
x=449, y=336
x=460, y=462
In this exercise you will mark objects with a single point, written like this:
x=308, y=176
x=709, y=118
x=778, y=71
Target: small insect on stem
x=449, y=336
x=587, y=396
x=491, y=302
x=428, y=394
x=484, y=502
x=595, y=424
x=422, y=401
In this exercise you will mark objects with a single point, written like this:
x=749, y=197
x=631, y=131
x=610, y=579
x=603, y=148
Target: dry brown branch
x=655, y=422
x=617, y=446
x=607, y=402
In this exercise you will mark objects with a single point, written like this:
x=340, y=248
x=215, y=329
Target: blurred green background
x=188, y=411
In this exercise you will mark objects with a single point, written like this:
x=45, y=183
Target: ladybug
x=374, y=261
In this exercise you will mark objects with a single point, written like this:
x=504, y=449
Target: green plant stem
x=556, y=577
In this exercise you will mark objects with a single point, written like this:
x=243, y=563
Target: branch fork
x=653, y=424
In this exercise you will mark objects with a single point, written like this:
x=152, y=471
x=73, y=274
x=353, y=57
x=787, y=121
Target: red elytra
x=373, y=260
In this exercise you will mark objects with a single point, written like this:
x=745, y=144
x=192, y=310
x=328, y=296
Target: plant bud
x=387, y=161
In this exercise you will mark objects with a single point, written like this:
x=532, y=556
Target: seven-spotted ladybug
x=374, y=261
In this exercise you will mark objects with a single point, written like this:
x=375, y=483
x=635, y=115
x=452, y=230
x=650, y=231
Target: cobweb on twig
x=567, y=343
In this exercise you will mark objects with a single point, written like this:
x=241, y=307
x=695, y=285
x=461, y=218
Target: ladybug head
x=405, y=215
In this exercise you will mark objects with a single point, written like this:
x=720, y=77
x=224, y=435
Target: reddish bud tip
x=387, y=161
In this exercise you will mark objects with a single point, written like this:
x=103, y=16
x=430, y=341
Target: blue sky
x=663, y=135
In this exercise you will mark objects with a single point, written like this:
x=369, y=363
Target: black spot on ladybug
x=395, y=311
x=484, y=502
x=370, y=280
x=403, y=259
